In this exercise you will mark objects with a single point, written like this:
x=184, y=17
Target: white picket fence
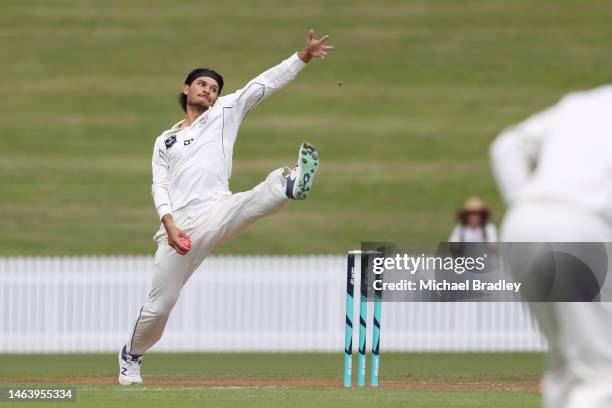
x=232, y=303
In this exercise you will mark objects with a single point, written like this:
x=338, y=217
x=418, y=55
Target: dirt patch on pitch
x=459, y=384
x=469, y=384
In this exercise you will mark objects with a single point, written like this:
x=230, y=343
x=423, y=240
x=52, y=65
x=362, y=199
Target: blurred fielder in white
x=554, y=171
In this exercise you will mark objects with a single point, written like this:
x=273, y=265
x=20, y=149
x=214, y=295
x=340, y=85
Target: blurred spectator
x=474, y=225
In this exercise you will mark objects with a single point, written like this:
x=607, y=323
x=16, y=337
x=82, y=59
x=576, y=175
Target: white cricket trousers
x=579, y=362
x=226, y=219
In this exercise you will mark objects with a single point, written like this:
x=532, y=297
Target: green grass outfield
x=428, y=380
x=402, y=112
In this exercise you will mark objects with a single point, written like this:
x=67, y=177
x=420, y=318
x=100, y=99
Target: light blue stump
x=376, y=339
x=363, y=318
x=348, y=331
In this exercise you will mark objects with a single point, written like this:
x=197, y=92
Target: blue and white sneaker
x=129, y=368
x=299, y=180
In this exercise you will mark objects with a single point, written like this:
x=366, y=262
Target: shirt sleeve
x=515, y=150
x=159, y=188
x=263, y=86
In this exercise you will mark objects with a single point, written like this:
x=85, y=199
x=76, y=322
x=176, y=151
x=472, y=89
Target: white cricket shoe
x=129, y=368
x=299, y=180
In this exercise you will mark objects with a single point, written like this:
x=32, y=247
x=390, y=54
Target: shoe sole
x=308, y=162
x=129, y=382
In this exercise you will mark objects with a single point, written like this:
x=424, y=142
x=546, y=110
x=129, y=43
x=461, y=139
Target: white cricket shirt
x=465, y=233
x=563, y=153
x=192, y=166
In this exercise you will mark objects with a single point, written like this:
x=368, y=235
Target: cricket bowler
x=554, y=171
x=192, y=166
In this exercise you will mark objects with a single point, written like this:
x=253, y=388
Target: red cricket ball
x=186, y=242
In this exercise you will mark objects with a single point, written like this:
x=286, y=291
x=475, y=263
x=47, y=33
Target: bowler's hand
x=175, y=235
x=315, y=48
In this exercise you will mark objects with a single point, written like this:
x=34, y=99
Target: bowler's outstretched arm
x=276, y=77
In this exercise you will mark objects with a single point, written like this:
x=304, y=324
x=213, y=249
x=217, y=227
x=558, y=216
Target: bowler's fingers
x=310, y=35
x=324, y=38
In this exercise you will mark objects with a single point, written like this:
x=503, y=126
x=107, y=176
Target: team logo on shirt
x=170, y=141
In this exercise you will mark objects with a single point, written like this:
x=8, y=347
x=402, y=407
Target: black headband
x=204, y=72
